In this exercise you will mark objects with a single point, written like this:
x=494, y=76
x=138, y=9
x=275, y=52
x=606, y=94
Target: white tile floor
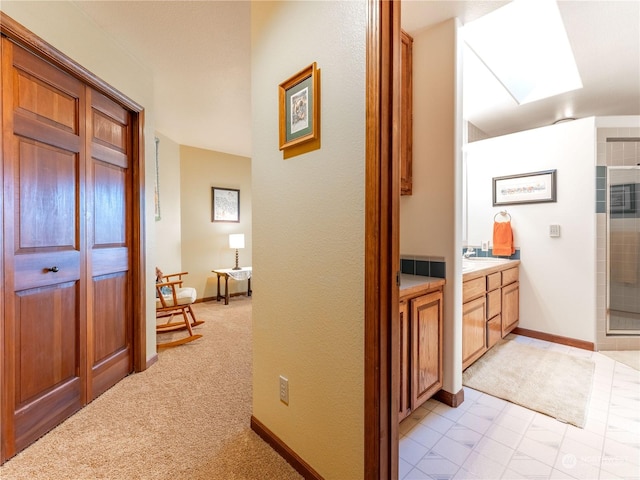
x=489, y=438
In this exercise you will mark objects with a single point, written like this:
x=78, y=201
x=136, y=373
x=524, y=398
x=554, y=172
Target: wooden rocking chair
x=173, y=299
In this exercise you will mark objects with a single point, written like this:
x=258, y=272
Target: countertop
x=474, y=268
x=412, y=284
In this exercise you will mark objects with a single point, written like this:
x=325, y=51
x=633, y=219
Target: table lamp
x=236, y=240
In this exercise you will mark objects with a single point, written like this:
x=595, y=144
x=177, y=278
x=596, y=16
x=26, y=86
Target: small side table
x=243, y=274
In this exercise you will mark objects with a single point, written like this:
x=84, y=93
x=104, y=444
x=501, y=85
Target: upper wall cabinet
x=406, y=115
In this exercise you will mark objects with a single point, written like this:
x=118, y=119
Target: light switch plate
x=284, y=390
x=554, y=230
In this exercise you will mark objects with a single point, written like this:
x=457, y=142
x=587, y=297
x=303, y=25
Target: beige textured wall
x=168, y=229
x=87, y=44
x=205, y=244
x=430, y=218
x=308, y=228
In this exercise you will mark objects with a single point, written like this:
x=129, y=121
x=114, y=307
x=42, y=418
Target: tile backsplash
x=489, y=253
x=423, y=266
x=436, y=266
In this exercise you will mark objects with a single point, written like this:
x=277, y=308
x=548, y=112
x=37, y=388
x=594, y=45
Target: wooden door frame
x=382, y=258
x=19, y=34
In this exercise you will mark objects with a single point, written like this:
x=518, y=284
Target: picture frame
x=225, y=204
x=535, y=187
x=622, y=198
x=299, y=108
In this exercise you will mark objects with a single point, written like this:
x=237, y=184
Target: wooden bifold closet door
x=67, y=206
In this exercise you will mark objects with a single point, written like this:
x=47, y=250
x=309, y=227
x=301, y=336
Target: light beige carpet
x=628, y=357
x=186, y=417
x=553, y=383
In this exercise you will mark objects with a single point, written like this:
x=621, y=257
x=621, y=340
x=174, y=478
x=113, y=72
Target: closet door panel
x=109, y=260
x=47, y=387
x=110, y=336
x=110, y=197
x=27, y=127
x=44, y=349
x=45, y=93
x=32, y=270
x=48, y=345
x=47, y=208
x=111, y=332
x=109, y=238
x=109, y=124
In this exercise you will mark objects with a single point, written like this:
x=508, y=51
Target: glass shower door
x=623, y=229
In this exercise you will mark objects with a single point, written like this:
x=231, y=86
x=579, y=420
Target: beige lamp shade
x=236, y=240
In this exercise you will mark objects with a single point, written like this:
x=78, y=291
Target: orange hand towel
x=503, y=239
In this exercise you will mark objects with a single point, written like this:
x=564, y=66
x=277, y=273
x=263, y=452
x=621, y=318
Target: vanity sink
x=486, y=259
x=476, y=263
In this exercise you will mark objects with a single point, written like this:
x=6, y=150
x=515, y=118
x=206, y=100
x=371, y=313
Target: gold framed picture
x=299, y=98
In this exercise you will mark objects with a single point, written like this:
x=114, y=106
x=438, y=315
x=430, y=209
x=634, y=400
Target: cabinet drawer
x=473, y=288
x=494, y=280
x=494, y=303
x=509, y=276
x=494, y=330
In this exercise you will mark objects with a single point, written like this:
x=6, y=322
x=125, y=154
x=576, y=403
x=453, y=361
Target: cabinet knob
x=53, y=269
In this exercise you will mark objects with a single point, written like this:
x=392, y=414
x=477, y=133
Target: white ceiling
x=200, y=56
x=605, y=38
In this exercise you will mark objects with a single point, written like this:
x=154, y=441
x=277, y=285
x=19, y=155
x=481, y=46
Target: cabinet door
x=510, y=307
x=406, y=115
x=473, y=330
x=404, y=403
x=426, y=325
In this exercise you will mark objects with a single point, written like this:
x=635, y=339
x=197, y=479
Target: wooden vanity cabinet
x=490, y=310
x=420, y=349
x=406, y=114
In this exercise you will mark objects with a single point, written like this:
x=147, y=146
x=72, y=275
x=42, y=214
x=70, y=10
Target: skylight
x=524, y=44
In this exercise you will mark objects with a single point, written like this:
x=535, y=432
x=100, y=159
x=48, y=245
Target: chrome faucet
x=469, y=252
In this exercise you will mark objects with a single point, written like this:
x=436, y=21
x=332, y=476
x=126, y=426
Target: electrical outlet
x=485, y=246
x=284, y=390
